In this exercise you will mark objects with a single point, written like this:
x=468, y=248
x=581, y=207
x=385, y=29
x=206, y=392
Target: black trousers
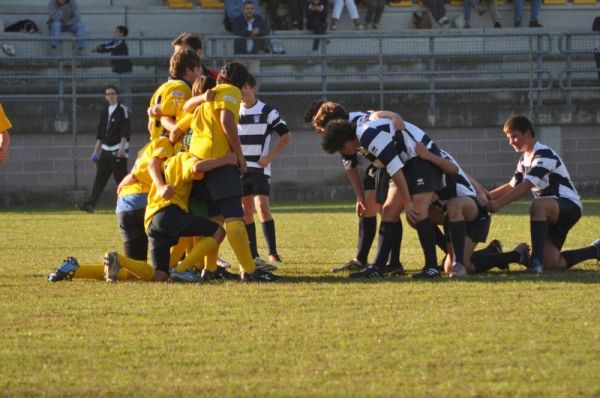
x=107, y=164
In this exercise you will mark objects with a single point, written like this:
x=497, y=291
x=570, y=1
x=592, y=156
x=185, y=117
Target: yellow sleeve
x=4, y=122
x=230, y=99
x=188, y=168
x=173, y=100
x=186, y=122
x=162, y=149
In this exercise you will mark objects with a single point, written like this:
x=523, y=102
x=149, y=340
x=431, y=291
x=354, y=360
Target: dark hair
x=519, y=123
x=249, y=2
x=112, y=87
x=329, y=111
x=123, y=29
x=181, y=61
x=311, y=110
x=234, y=73
x=337, y=133
x=251, y=80
x=191, y=39
x=204, y=83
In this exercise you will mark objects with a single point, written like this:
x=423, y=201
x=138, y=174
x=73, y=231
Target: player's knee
x=219, y=235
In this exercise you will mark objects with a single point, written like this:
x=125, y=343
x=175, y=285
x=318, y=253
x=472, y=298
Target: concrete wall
x=43, y=165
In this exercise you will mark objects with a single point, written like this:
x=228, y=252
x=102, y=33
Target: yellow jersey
x=171, y=96
x=158, y=148
x=179, y=174
x=208, y=138
x=4, y=122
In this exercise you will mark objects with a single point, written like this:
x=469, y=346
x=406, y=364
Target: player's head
x=311, y=110
x=338, y=136
x=188, y=41
x=111, y=93
x=519, y=132
x=328, y=111
x=121, y=31
x=185, y=65
x=202, y=84
x=234, y=73
x=249, y=90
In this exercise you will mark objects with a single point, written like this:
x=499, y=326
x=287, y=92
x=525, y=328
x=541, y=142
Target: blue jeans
x=78, y=29
x=535, y=10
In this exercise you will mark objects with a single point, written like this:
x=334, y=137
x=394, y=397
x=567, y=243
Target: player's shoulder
x=227, y=93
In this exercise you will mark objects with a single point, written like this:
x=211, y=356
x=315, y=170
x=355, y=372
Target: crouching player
x=556, y=206
x=168, y=219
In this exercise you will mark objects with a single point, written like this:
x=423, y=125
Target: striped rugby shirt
x=548, y=174
x=254, y=129
x=454, y=185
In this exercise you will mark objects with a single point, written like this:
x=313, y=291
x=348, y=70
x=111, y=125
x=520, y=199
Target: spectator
x=374, y=11
x=295, y=10
x=596, y=28
x=64, y=17
x=338, y=6
x=121, y=66
x=316, y=19
x=533, y=18
x=4, y=137
x=233, y=9
x=476, y=5
x=438, y=12
x=112, y=145
x=250, y=26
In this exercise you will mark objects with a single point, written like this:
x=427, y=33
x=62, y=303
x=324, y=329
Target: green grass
x=313, y=334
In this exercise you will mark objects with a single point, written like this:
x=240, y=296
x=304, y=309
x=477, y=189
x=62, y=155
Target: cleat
x=523, y=250
x=597, y=244
x=65, y=271
x=263, y=265
x=496, y=244
x=394, y=270
x=111, y=266
x=458, y=271
x=187, y=276
x=207, y=275
x=428, y=273
x=221, y=263
x=85, y=207
x=222, y=273
x=350, y=266
x=258, y=276
x=371, y=272
x=275, y=258
x=536, y=266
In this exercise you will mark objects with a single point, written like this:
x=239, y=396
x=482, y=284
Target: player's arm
x=194, y=102
x=4, y=145
x=227, y=120
x=354, y=177
x=482, y=199
x=202, y=166
x=127, y=180
x=445, y=165
x=498, y=191
x=279, y=146
x=510, y=195
x=168, y=122
x=154, y=169
x=396, y=118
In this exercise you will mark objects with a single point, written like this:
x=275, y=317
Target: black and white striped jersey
x=455, y=185
x=351, y=161
x=254, y=129
x=548, y=174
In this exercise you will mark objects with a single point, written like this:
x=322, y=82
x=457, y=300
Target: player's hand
x=121, y=154
x=482, y=200
x=422, y=151
x=264, y=162
x=165, y=191
x=95, y=157
x=209, y=95
x=361, y=207
x=493, y=206
x=411, y=213
x=242, y=165
x=230, y=159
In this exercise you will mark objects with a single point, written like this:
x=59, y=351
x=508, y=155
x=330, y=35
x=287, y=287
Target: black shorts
x=220, y=183
x=478, y=229
x=167, y=225
x=382, y=185
x=422, y=176
x=131, y=224
x=569, y=214
x=369, y=179
x=256, y=184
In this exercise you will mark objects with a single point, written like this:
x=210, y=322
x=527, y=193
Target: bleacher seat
x=187, y=4
x=214, y=4
x=457, y=2
x=551, y=2
x=584, y=1
x=401, y=3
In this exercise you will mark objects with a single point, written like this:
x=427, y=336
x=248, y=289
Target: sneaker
x=371, y=272
x=351, y=266
x=259, y=276
x=187, y=276
x=394, y=270
x=535, y=24
x=333, y=26
x=275, y=258
x=428, y=273
x=597, y=244
x=523, y=250
x=458, y=271
x=517, y=24
x=374, y=26
x=65, y=271
x=222, y=273
x=85, y=207
x=221, y=263
x=497, y=24
x=535, y=266
x=111, y=266
x=263, y=265
x=359, y=27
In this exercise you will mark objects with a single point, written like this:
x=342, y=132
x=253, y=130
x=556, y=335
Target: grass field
x=312, y=334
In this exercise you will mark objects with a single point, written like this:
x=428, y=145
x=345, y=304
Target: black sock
x=388, y=234
x=539, y=232
x=485, y=251
x=367, y=228
x=458, y=232
x=485, y=262
x=268, y=228
x=440, y=238
x=426, y=234
x=576, y=256
x=394, y=259
x=251, y=229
